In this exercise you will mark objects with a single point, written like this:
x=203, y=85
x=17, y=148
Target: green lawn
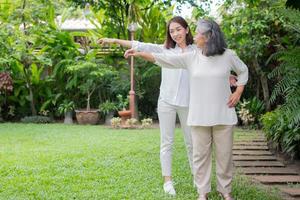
x=55, y=161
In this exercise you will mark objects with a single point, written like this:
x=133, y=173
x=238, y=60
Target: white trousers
x=222, y=138
x=167, y=120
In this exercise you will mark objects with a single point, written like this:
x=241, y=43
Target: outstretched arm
x=124, y=43
x=139, y=46
x=144, y=55
x=172, y=61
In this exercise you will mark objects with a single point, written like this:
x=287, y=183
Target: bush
x=107, y=107
x=132, y=122
x=250, y=111
x=147, y=123
x=285, y=137
x=36, y=119
x=116, y=122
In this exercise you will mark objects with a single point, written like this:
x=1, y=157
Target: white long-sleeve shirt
x=209, y=85
x=174, y=87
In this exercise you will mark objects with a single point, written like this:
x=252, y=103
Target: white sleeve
x=147, y=47
x=239, y=67
x=173, y=61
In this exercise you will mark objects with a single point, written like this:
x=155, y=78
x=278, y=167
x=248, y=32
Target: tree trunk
x=264, y=83
x=258, y=89
x=88, y=107
x=31, y=99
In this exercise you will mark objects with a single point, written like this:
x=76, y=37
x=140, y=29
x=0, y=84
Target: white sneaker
x=169, y=188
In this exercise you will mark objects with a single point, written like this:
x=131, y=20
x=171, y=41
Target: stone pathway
x=253, y=158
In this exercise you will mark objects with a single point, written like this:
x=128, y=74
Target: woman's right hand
x=104, y=41
x=130, y=52
x=144, y=55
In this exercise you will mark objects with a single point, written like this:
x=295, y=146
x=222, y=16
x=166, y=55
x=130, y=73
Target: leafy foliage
x=87, y=73
x=66, y=106
x=107, y=107
x=255, y=29
x=284, y=136
x=288, y=72
x=250, y=111
x=282, y=125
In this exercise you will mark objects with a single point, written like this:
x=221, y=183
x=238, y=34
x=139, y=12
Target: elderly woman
x=211, y=115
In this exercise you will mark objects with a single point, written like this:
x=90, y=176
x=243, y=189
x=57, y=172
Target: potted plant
x=67, y=108
x=123, y=112
x=108, y=108
x=86, y=75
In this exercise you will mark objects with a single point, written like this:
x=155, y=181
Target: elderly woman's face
x=200, y=39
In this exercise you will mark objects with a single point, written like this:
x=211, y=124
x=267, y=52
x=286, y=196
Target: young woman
x=212, y=114
x=174, y=92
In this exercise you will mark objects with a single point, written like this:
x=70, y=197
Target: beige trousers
x=203, y=137
x=167, y=120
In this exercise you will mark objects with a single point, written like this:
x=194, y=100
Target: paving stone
x=252, y=140
x=251, y=152
x=295, y=192
x=267, y=170
x=254, y=157
x=258, y=164
x=250, y=147
x=278, y=179
x=250, y=144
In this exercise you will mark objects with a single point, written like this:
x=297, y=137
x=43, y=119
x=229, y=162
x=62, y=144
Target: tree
x=255, y=29
x=114, y=17
x=28, y=29
x=288, y=72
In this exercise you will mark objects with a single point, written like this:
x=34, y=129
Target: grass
x=55, y=161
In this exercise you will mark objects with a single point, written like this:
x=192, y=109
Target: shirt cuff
x=135, y=45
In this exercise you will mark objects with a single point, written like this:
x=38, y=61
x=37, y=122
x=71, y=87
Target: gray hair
x=215, y=44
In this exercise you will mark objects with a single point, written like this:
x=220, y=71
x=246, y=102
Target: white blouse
x=209, y=85
x=174, y=87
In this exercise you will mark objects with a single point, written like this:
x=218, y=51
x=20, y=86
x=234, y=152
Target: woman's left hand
x=234, y=99
x=232, y=80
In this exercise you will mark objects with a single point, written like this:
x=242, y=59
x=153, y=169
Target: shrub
x=245, y=114
x=36, y=119
x=147, y=123
x=282, y=125
x=116, y=122
x=250, y=111
x=122, y=102
x=132, y=122
x=66, y=106
x=284, y=136
x=107, y=107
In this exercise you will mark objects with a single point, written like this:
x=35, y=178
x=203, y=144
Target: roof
x=82, y=24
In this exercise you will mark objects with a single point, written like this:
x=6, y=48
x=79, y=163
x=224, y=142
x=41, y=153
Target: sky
x=186, y=11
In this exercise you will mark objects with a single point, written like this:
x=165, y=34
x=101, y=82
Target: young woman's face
x=178, y=33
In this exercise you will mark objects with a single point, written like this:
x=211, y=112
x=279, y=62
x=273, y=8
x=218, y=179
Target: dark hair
x=170, y=43
x=215, y=44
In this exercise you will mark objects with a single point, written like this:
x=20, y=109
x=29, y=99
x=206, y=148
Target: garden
x=62, y=94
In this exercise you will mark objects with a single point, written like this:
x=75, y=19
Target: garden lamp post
x=132, y=27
